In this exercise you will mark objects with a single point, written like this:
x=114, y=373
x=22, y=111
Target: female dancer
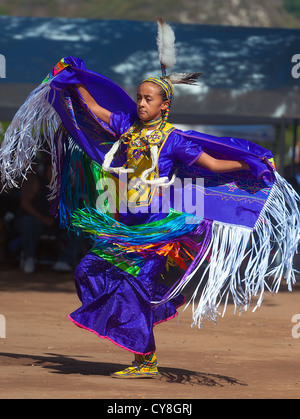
x=153, y=100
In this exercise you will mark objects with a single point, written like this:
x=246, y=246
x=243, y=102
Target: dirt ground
x=44, y=356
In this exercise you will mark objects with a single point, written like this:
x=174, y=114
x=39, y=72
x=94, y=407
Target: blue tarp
x=235, y=61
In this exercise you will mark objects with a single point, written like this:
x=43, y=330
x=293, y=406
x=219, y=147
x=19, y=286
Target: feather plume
x=184, y=78
x=166, y=44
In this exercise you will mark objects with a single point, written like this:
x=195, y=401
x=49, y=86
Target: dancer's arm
x=221, y=166
x=97, y=110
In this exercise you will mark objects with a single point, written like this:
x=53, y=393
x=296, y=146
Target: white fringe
x=108, y=158
x=162, y=182
x=34, y=125
x=277, y=229
x=280, y=221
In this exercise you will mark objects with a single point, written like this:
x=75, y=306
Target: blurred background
x=247, y=51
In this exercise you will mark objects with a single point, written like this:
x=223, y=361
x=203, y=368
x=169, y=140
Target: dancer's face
x=149, y=102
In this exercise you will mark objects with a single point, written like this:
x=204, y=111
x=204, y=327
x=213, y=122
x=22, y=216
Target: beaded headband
x=164, y=84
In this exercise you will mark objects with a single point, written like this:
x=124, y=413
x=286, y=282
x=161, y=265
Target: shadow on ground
x=61, y=364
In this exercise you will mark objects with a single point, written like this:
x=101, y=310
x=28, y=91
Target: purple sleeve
x=185, y=150
x=120, y=122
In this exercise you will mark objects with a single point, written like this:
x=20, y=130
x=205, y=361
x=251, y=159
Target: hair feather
x=184, y=78
x=166, y=44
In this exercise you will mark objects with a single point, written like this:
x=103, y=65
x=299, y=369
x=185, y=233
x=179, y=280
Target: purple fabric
x=196, y=158
x=117, y=305
x=243, y=193
x=234, y=198
x=84, y=127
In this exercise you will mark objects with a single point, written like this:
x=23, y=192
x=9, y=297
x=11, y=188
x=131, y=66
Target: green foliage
x=4, y=11
x=292, y=6
x=271, y=13
x=3, y=128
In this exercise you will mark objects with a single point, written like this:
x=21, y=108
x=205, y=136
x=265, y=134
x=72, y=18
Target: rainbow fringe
x=171, y=236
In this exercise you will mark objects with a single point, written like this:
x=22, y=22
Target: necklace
x=138, y=143
x=151, y=124
x=139, y=140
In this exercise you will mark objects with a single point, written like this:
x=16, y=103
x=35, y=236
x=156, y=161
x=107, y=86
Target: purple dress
x=116, y=304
